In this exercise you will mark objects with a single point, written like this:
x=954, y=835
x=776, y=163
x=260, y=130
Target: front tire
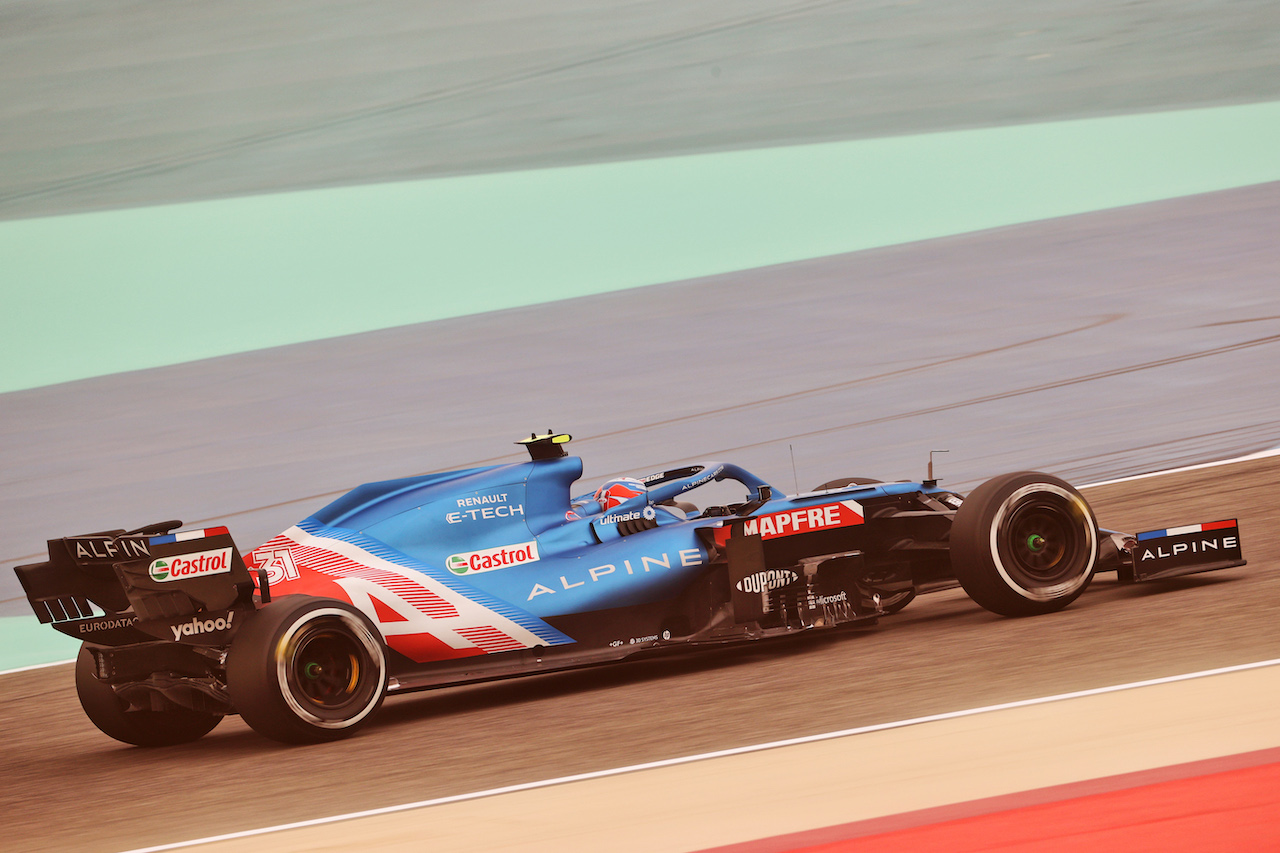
x=1024, y=544
x=307, y=670
x=111, y=714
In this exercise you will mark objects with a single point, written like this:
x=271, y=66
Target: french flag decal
x=1190, y=528
x=188, y=535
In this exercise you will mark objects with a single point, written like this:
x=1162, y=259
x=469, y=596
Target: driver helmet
x=617, y=491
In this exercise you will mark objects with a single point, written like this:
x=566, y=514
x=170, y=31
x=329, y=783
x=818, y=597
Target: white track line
x=37, y=666
x=1263, y=454
x=690, y=759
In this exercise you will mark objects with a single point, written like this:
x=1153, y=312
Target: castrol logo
x=470, y=562
x=183, y=566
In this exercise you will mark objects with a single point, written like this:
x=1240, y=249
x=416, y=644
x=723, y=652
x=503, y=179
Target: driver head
x=618, y=491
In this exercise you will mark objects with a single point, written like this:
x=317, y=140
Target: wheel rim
x=1040, y=542
x=331, y=669
x=1044, y=541
x=327, y=668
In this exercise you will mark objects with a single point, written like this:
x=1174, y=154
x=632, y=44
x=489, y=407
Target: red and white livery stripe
x=420, y=604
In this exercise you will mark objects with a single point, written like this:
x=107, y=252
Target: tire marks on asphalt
x=986, y=398
x=745, y=407
x=621, y=50
x=737, y=408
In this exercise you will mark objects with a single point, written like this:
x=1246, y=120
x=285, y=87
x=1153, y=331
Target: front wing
x=1177, y=551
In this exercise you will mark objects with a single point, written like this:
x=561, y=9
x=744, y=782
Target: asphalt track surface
x=146, y=287
x=110, y=104
x=1091, y=346
x=928, y=774
x=941, y=654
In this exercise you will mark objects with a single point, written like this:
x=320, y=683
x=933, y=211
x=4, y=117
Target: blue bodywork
x=582, y=564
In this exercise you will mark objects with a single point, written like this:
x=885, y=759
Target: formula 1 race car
x=494, y=572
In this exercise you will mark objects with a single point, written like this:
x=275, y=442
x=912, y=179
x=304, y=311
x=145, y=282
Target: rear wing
x=119, y=587
x=1177, y=551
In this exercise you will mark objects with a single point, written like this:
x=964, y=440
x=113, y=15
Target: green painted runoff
x=99, y=293
x=28, y=643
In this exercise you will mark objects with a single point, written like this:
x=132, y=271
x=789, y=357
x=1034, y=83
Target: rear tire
x=307, y=670
x=111, y=714
x=1024, y=544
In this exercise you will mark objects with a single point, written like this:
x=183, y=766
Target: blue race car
x=494, y=572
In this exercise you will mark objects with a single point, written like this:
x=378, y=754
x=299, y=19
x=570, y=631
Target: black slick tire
x=112, y=716
x=307, y=670
x=1024, y=544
